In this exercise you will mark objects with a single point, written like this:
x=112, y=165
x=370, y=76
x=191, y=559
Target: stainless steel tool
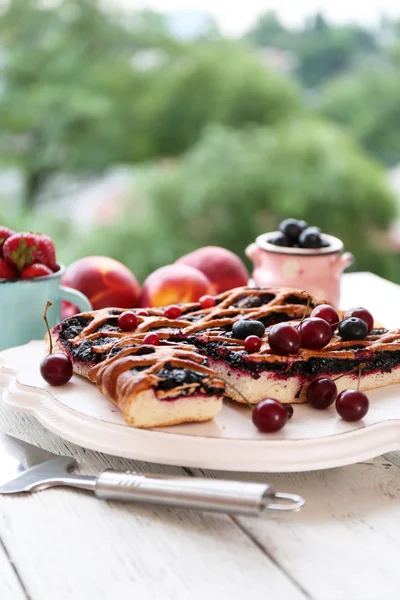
x=26, y=468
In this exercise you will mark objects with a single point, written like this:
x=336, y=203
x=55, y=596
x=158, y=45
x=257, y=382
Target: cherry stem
x=47, y=325
x=359, y=368
x=252, y=406
x=307, y=307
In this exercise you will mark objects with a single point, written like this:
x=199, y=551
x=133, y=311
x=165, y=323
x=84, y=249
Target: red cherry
x=173, y=312
x=151, y=339
x=315, y=333
x=289, y=410
x=142, y=313
x=363, y=314
x=327, y=313
x=269, y=415
x=56, y=369
x=252, y=343
x=127, y=321
x=207, y=302
x=321, y=392
x=284, y=339
x=352, y=405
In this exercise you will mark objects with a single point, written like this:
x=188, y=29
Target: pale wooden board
x=344, y=544
x=10, y=587
x=69, y=545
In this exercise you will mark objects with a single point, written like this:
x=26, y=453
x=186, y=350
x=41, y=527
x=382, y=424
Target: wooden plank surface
x=69, y=545
x=344, y=545
x=10, y=586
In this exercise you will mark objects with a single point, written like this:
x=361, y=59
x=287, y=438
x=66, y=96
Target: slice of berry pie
x=159, y=386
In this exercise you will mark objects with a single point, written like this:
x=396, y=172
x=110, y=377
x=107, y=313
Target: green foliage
x=72, y=100
x=234, y=185
x=367, y=104
x=321, y=49
x=76, y=99
x=269, y=31
x=219, y=83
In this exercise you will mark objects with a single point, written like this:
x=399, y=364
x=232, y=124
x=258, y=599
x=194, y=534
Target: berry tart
x=159, y=386
x=255, y=343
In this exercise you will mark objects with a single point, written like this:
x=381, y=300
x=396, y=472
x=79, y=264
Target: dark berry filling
x=139, y=350
x=171, y=378
x=136, y=370
x=273, y=318
x=86, y=350
x=253, y=301
x=110, y=325
x=192, y=319
x=73, y=326
x=379, y=331
x=293, y=299
x=383, y=361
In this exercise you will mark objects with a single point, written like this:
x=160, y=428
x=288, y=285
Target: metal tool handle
x=216, y=495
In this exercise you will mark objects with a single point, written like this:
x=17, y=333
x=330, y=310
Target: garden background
x=122, y=134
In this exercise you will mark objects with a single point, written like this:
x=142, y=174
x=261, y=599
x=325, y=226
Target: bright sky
x=236, y=19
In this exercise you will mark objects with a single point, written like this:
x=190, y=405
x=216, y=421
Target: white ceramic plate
x=311, y=440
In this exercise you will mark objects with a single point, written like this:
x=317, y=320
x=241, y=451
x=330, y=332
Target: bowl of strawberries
x=30, y=276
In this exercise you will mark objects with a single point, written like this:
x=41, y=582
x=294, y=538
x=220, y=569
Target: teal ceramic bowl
x=22, y=305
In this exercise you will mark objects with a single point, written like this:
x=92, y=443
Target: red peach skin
x=223, y=268
x=174, y=284
x=105, y=281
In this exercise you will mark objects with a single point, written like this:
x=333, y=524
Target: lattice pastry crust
x=94, y=338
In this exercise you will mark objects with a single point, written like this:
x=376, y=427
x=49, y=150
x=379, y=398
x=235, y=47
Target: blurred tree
x=220, y=83
x=367, y=104
x=269, y=31
x=322, y=50
x=234, y=185
x=71, y=98
x=84, y=89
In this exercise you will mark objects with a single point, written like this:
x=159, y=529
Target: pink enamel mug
x=318, y=271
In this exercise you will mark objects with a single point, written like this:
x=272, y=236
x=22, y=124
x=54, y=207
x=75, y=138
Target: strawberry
x=7, y=271
x=35, y=270
x=19, y=250
x=4, y=234
x=46, y=252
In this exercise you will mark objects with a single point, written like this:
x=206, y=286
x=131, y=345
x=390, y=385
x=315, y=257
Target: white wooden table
x=345, y=544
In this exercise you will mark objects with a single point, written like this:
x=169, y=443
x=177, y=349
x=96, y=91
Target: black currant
x=280, y=240
x=292, y=228
x=353, y=329
x=311, y=238
x=245, y=327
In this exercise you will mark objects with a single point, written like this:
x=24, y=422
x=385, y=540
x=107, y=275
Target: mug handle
x=346, y=260
x=75, y=297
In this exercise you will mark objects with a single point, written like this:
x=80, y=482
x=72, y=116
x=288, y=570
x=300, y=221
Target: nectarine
x=174, y=284
x=223, y=268
x=68, y=310
x=105, y=281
